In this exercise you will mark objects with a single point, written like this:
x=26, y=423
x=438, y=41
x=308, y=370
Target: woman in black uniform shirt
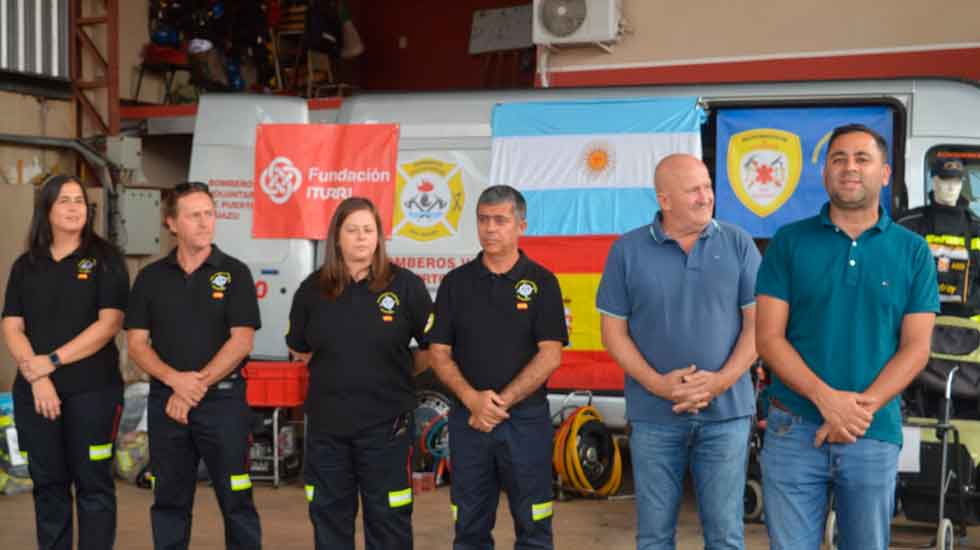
x=352, y=321
x=64, y=304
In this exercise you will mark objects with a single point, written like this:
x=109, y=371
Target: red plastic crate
x=276, y=384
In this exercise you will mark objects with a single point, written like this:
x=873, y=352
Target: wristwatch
x=55, y=360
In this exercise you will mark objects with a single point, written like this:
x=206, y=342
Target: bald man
x=678, y=315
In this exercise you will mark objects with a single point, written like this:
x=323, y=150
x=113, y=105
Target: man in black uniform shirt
x=953, y=233
x=497, y=335
x=191, y=322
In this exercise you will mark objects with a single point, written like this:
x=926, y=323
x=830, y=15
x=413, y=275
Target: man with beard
x=847, y=300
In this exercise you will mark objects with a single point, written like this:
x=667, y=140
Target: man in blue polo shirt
x=847, y=301
x=678, y=315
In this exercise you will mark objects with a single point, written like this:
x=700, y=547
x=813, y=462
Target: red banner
x=303, y=171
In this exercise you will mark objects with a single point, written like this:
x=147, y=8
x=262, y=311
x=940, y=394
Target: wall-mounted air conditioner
x=576, y=21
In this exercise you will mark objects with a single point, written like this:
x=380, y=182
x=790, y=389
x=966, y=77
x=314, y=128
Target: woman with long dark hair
x=352, y=321
x=64, y=305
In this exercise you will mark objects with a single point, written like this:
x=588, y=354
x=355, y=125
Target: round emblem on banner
x=429, y=197
x=280, y=180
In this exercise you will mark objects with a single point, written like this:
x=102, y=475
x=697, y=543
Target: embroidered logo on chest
x=388, y=302
x=220, y=281
x=524, y=291
x=85, y=267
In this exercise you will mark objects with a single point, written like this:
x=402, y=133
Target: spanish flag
x=578, y=264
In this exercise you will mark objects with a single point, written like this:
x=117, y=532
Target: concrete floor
x=579, y=524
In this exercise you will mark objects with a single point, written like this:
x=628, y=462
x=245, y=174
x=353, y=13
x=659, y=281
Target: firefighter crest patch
x=764, y=166
x=429, y=200
x=388, y=302
x=219, y=284
x=85, y=267
x=524, y=291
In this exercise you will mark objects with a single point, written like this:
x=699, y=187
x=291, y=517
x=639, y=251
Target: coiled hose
x=586, y=456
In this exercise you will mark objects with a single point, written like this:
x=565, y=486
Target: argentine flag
x=586, y=167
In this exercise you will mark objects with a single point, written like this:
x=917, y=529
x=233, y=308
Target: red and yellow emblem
x=764, y=166
x=429, y=200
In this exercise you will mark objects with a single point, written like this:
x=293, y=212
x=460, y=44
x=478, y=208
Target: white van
x=446, y=140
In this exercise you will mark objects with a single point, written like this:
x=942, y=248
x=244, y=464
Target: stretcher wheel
x=945, y=538
x=830, y=532
x=753, y=501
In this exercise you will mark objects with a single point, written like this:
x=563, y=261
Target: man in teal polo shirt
x=846, y=304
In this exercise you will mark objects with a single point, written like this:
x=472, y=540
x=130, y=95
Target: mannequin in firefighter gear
x=953, y=233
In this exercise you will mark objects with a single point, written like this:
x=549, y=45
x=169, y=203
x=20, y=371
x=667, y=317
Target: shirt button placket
x=851, y=277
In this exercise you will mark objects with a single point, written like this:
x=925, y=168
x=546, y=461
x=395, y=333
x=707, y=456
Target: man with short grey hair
x=496, y=337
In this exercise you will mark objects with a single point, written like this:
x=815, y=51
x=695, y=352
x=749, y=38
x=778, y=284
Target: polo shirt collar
x=516, y=273
x=214, y=259
x=77, y=253
x=659, y=235
x=881, y=225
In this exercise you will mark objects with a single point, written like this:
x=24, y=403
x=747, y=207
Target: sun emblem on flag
x=598, y=159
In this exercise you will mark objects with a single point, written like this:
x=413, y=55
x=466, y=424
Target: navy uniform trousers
x=218, y=431
x=515, y=456
x=74, y=449
x=373, y=463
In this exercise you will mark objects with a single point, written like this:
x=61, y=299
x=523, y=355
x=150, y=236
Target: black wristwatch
x=55, y=360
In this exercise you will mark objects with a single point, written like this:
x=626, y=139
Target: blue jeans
x=716, y=453
x=797, y=479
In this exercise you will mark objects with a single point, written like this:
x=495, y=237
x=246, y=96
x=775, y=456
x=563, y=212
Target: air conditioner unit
x=576, y=21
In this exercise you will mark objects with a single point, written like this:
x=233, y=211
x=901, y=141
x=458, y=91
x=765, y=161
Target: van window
x=969, y=155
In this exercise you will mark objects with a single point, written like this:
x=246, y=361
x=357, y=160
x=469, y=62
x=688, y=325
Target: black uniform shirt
x=190, y=316
x=361, y=371
x=948, y=228
x=59, y=300
x=494, y=322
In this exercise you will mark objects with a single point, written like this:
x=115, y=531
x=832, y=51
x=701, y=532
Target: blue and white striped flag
x=586, y=167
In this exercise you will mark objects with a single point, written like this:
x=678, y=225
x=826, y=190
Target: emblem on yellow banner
x=764, y=167
x=430, y=198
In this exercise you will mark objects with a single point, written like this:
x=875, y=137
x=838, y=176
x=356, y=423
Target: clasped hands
x=189, y=389
x=689, y=389
x=847, y=415
x=487, y=409
x=36, y=370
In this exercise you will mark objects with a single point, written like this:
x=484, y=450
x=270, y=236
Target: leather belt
x=776, y=403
